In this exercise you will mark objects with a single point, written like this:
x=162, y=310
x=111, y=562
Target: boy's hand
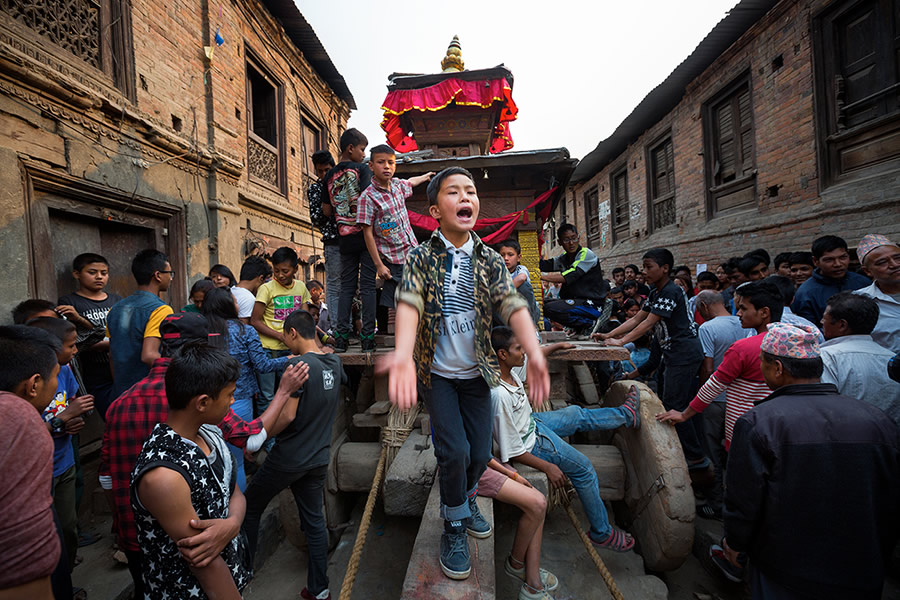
x=599, y=337
x=614, y=342
x=414, y=181
x=556, y=477
x=401, y=374
x=74, y=425
x=201, y=549
x=66, y=310
x=671, y=416
x=383, y=273
x=80, y=405
x=293, y=378
x=538, y=379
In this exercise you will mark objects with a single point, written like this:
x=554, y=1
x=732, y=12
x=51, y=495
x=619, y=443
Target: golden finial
x=453, y=62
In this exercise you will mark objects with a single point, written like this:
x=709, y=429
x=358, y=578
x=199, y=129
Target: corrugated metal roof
x=306, y=40
x=666, y=96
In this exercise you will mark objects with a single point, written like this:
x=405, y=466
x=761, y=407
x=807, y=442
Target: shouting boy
x=452, y=285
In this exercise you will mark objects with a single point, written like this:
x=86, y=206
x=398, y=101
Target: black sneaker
x=731, y=572
x=367, y=342
x=476, y=525
x=455, y=555
x=341, y=341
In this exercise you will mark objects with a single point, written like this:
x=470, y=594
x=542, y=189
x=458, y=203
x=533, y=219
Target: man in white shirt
x=881, y=260
x=853, y=361
x=254, y=272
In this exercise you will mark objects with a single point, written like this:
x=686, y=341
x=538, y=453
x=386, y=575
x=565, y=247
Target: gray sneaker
x=476, y=525
x=455, y=555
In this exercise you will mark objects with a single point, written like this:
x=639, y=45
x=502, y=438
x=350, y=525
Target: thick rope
x=604, y=572
x=353, y=565
x=393, y=435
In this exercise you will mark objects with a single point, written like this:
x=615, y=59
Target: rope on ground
x=353, y=565
x=397, y=430
x=604, y=572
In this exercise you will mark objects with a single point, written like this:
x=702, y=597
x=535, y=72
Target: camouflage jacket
x=422, y=287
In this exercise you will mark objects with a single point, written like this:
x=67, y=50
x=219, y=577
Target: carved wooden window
x=729, y=149
x=312, y=140
x=619, y=209
x=661, y=183
x=265, y=129
x=592, y=217
x=96, y=31
x=857, y=54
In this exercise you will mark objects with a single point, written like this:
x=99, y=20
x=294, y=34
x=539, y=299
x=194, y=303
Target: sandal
x=618, y=541
x=708, y=512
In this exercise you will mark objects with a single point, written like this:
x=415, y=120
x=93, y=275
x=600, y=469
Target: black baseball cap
x=181, y=328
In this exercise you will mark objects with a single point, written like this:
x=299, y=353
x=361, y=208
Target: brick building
x=126, y=124
x=783, y=125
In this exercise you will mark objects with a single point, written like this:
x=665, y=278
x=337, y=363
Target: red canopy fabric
x=507, y=222
x=435, y=97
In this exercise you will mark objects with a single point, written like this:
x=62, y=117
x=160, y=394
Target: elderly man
x=881, y=259
x=813, y=483
x=854, y=363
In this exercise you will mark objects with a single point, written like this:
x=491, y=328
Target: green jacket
x=423, y=287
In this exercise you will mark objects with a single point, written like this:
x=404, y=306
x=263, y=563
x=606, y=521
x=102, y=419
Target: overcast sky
x=579, y=67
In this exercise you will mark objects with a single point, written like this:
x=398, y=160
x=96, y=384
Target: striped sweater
x=740, y=377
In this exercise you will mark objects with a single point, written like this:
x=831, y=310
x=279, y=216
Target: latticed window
x=729, y=149
x=96, y=31
x=592, y=216
x=265, y=145
x=619, y=205
x=662, y=184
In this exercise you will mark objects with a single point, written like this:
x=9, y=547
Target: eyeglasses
x=570, y=240
x=171, y=273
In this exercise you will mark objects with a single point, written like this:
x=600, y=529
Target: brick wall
x=791, y=208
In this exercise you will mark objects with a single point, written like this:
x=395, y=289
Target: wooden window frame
x=309, y=176
x=592, y=217
x=653, y=197
x=252, y=62
x=832, y=138
x=621, y=230
x=743, y=183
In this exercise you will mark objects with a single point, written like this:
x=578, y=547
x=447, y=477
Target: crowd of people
x=789, y=369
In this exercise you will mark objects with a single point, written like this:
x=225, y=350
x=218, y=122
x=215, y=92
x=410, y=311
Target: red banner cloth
x=435, y=97
x=507, y=222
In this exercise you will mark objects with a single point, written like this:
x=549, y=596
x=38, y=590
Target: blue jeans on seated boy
x=551, y=427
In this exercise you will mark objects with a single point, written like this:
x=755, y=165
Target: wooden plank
x=591, y=351
x=424, y=578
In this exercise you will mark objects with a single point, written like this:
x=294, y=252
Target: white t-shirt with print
x=514, y=426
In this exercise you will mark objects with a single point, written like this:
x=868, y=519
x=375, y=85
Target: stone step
x=424, y=578
x=409, y=479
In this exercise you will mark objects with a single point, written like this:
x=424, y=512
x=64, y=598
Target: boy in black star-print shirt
x=666, y=313
x=185, y=474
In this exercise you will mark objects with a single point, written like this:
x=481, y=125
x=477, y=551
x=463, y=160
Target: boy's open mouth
x=464, y=212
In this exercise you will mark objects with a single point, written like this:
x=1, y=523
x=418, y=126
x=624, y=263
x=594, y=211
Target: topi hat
x=791, y=341
x=869, y=243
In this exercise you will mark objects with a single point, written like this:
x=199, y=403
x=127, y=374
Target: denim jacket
x=423, y=287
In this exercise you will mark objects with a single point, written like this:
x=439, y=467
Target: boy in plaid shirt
x=385, y=222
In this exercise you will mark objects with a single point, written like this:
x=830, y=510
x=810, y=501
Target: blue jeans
x=357, y=268
x=332, y=254
x=552, y=426
x=461, y=419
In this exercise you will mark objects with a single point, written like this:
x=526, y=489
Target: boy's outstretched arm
x=414, y=181
x=399, y=365
x=536, y=368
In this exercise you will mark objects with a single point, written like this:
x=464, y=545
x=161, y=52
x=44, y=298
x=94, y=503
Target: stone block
x=611, y=472
x=355, y=465
x=410, y=477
